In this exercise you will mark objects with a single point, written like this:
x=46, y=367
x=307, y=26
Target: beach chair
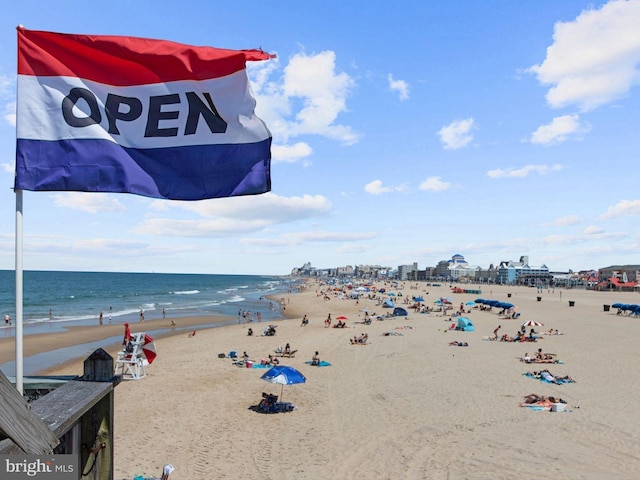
x=131, y=361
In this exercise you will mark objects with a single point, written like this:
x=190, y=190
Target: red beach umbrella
x=532, y=323
x=149, y=348
x=341, y=317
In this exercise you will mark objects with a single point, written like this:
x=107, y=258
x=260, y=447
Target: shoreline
x=39, y=344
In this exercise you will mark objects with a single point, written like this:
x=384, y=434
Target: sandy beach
x=407, y=405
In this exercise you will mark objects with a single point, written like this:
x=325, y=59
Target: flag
x=149, y=348
x=134, y=115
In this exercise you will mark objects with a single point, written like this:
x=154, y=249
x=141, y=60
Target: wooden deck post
x=96, y=438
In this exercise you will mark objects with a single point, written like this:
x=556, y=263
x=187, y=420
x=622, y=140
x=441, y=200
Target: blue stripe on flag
x=177, y=173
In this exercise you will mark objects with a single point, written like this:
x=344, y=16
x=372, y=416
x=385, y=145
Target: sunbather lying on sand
x=547, y=376
x=458, y=344
x=535, y=400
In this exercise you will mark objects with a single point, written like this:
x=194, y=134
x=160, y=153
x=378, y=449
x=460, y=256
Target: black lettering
x=112, y=107
x=210, y=114
x=156, y=114
x=72, y=99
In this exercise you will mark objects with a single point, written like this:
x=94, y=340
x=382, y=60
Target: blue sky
x=492, y=129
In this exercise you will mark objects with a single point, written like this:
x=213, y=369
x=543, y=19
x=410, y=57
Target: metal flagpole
x=19, y=370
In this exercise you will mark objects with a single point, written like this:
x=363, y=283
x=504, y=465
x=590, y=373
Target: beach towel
x=559, y=382
x=321, y=364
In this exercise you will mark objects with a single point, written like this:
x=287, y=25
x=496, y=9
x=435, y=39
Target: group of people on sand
x=520, y=336
x=361, y=340
x=539, y=357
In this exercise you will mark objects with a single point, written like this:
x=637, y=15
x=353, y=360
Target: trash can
x=508, y=295
x=606, y=307
x=539, y=299
x=571, y=303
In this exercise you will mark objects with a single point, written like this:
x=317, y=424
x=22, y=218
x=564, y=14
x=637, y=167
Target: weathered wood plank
x=22, y=425
x=63, y=407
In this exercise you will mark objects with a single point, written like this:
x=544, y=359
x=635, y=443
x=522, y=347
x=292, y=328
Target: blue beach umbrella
x=479, y=300
x=283, y=375
x=470, y=304
x=418, y=299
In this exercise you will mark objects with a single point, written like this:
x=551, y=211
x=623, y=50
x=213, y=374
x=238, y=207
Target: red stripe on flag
x=122, y=61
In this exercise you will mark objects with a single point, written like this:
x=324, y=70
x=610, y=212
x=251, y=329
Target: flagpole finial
x=20, y=26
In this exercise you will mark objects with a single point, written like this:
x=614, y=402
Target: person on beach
x=315, y=360
x=305, y=321
x=327, y=322
x=141, y=316
x=273, y=360
x=495, y=332
x=127, y=334
x=164, y=313
x=100, y=318
x=7, y=319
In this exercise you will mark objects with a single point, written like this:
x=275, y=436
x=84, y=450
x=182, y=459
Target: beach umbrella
x=470, y=304
x=418, y=299
x=149, y=348
x=506, y=305
x=341, y=317
x=391, y=294
x=532, y=323
x=479, y=300
x=283, y=375
x=617, y=305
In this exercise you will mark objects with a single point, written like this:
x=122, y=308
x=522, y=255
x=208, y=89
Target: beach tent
x=388, y=304
x=465, y=324
x=399, y=312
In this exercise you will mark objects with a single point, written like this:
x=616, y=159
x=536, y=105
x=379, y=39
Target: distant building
x=521, y=273
x=406, y=272
x=619, y=277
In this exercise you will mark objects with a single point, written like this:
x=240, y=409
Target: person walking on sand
x=100, y=318
x=164, y=313
x=141, y=316
x=495, y=332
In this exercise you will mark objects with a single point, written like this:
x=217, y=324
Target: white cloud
x=9, y=113
x=376, y=188
x=524, y=171
x=457, y=134
x=594, y=59
x=593, y=230
x=566, y=221
x=435, y=184
x=306, y=100
x=399, y=86
x=89, y=202
x=294, y=239
x=290, y=153
x=629, y=208
x=7, y=95
x=559, y=130
x=234, y=215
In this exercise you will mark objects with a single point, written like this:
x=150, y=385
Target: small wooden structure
x=74, y=418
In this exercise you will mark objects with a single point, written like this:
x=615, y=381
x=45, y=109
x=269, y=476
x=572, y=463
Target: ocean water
x=53, y=300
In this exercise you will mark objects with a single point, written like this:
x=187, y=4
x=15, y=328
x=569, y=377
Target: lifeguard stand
x=131, y=361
